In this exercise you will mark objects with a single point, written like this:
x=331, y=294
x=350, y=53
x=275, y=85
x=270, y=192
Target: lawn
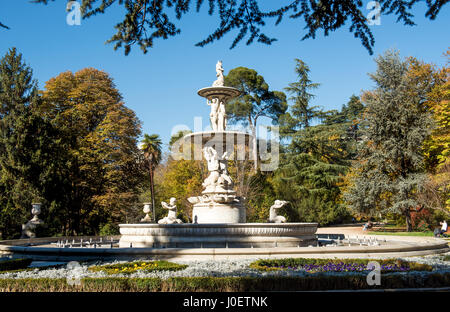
x=428, y=233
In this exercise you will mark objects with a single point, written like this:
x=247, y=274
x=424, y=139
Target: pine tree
x=316, y=157
x=390, y=169
x=301, y=113
x=18, y=91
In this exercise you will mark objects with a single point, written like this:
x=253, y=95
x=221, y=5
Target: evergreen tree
x=25, y=143
x=301, y=113
x=390, y=170
x=147, y=20
x=316, y=157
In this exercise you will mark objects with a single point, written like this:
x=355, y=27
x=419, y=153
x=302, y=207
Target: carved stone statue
x=214, y=115
x=146, y=211
x=221, y=117
x=273, y=216
x=224, y=179
x=29, y=227
x=172, y=215
x=213, y=167
x=219, y=73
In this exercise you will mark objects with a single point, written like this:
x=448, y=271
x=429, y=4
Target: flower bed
x=337, y=265
x=352, y=281
x=132, y=267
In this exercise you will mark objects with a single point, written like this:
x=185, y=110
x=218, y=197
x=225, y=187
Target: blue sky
x=161, y=86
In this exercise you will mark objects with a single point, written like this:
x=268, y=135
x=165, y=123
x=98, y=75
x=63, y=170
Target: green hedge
x=281, y=264
x=228, y=284
x=14, y=264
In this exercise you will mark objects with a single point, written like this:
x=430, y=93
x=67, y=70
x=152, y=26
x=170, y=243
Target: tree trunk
x=255, y=148
x=152, y=194
x=408, y=221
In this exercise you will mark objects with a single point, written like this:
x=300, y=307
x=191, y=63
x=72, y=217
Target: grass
x=131, y=267
x=428, y=233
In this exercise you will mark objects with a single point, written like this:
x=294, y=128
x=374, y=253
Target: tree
x=301, y=113
x=315, y=157
x=347, y=121
x=255, y=101
x=147, y=20
x=311, y=171
x=98, y=146
x=436, y=147
x=390, y=169
x=18, y=91
x=151, y=146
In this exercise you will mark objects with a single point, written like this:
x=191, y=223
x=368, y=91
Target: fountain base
x=218, y=235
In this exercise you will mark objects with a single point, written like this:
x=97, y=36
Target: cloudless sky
x=161, y=86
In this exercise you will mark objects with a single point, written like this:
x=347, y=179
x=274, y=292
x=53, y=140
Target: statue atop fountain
x=219, y=73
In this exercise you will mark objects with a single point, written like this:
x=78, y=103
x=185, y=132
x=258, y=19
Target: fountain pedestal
x=218, y=213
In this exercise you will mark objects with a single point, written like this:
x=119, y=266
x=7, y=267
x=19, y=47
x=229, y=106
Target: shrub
x=109, y=229
x=14, y=264
x=422, y=220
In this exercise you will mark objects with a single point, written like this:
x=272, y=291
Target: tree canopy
x=147, y=20
x=390, y=169
x=18, y=143
x=98, y=146
x=255, y=101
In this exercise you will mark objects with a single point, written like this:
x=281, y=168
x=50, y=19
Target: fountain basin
x=218, y=235
x=221, y=92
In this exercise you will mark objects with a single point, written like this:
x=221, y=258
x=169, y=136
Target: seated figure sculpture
x=273, y=216
x=172, y=215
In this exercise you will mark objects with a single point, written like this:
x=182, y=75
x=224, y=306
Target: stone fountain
x=219, y=215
